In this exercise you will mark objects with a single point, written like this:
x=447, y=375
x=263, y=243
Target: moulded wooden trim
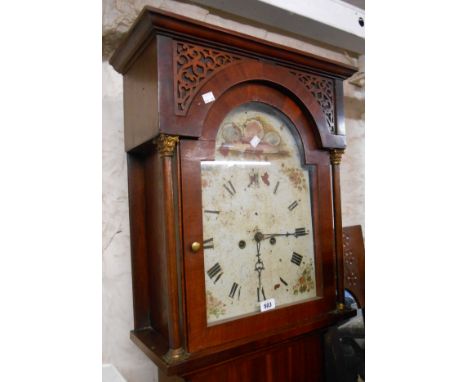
x=153, y=21
x=251, y=71
x=153, y=345
x=135, y=41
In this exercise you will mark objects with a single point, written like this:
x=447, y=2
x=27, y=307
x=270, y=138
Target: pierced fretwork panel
x=194, y=65
x=322, y=90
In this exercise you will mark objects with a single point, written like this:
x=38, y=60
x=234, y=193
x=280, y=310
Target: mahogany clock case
x=168, y=63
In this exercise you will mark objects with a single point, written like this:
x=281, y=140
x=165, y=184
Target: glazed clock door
x=252, y=201
x=257, y=216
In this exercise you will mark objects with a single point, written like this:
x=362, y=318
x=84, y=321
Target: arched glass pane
x=257, y=220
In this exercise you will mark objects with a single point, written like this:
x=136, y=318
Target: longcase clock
x=234, y=146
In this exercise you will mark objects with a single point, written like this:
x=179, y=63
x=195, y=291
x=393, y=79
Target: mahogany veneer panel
x=298, y=360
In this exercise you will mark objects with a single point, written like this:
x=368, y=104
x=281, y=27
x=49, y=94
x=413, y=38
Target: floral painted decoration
x=296, y=176
x=305, y=282
x=214, y=306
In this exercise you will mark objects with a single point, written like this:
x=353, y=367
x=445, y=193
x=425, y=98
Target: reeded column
x=166, y=146
x=335, y=160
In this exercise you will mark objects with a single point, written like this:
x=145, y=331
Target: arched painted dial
x=257, y=217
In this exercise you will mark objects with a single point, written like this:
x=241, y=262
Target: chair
x=354, y=270
x=345, y=343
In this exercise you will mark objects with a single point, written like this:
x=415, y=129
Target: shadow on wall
x=354, y=108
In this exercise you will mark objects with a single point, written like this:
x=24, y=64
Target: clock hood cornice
x=152, y=21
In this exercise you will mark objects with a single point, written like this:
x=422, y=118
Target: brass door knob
x=196, y=246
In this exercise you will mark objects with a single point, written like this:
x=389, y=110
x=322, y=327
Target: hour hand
x=297, y=232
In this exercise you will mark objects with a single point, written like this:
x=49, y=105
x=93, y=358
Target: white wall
x=352, y=167
x=117, y=299
x=117, y=315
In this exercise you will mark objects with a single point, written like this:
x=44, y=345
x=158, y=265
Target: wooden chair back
x=354, y=269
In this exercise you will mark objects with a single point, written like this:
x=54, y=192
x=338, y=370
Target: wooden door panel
x=299, y=361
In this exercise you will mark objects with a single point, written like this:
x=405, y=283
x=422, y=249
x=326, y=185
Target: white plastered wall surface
x=117, y=315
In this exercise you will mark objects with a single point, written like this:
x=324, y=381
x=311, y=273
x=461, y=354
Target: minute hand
x=298, y=232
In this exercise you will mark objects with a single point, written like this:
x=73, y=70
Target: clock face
x=257, y=217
